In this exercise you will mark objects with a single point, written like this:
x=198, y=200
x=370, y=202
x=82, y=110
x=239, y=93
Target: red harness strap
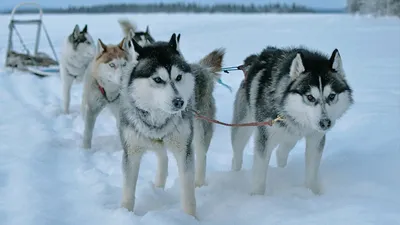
x=103, y=92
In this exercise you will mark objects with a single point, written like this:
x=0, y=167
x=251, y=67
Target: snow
x=47, y=178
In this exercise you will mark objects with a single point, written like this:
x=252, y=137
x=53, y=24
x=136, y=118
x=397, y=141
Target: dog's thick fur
x=308, y=89
x=156, y=103
x=102, y=84
x=206, y=72
x=77, y=53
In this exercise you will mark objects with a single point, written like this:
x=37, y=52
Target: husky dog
x=78, y=51
x=130, y=31
x=102, y=84
x=309, y=89
x=155, y=114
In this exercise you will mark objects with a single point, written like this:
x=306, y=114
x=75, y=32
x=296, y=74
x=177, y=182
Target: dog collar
x=103, y=92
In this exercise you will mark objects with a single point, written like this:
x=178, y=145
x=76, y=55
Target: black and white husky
x=155, y=113
x=131, y=32
x=77, y=53
x=308, y=89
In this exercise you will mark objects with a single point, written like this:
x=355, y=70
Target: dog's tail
x=128, y=27
x=214, y=60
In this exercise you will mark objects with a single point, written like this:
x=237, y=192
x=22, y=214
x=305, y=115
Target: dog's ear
x=85, y=29
x=76, y=31
x=173, y=42
x=121, y=44
x=178, y=38
x=147, y=29
x=101, y=47
x=297, y=66
x=336, y=61
x=125, y=44
x=137, y=47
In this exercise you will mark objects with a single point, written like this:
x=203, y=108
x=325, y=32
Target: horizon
x=314, y=4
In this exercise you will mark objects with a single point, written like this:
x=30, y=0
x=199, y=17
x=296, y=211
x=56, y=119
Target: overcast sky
x=5, y=4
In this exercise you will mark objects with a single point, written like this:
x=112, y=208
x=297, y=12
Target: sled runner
x=38, y=63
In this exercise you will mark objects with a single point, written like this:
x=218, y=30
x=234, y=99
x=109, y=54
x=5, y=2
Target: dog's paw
x=86, y=146
x=127, y=205
x=315, y=187
x=281, y=159
x=158, y=185
x=190, y=210
x=236, y=165
x=257, y=192
x=281, y=163
x=201, y=183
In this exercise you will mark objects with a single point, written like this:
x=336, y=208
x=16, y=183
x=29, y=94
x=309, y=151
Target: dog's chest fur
x=76, y=64
x=150, y=129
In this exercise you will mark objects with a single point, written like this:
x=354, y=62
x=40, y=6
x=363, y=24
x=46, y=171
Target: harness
x=103, y=92
x=70, y=74
x=232, y=68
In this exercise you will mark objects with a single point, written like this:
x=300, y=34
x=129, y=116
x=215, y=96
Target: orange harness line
x=252, y=124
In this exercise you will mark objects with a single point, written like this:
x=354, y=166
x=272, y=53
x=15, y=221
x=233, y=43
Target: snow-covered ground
x=46, y=178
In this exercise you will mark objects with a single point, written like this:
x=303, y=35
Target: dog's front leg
x=263, y=146
x=162, y=168
x=130, y=166
x=282, y=153
x=314, y=147
x=201, y=142
x=67, y=81
x=181, y=145
x=92, y=111
x=185, y=162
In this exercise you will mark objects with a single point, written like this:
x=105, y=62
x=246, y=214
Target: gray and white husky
x=77, y=53
x=155, y=114
x=308, y=89
x=102, y=84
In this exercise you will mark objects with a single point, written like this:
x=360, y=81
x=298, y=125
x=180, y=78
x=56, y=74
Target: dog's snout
x=178, y=103
x=325, y=124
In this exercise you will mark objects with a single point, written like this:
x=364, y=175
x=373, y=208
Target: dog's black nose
x=325, y=124
x=178, y=103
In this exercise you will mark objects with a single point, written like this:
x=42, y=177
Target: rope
x=231, y=68
x=252, y=124
x=225, y=85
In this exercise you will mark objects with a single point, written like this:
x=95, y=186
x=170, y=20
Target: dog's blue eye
x=158, y=80
x=112, y=65
x=331, y=96
x=310, y=98
x=124, y=64
x=179, y=77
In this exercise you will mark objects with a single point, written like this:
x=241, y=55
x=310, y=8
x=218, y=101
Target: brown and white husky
x=102, y=83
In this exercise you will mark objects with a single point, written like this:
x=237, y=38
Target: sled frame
x=23, y=60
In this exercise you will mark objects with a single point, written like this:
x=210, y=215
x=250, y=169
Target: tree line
x=177, y=8
x=375, y=7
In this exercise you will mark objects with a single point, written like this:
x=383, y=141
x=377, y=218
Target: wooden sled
x=38, y=63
